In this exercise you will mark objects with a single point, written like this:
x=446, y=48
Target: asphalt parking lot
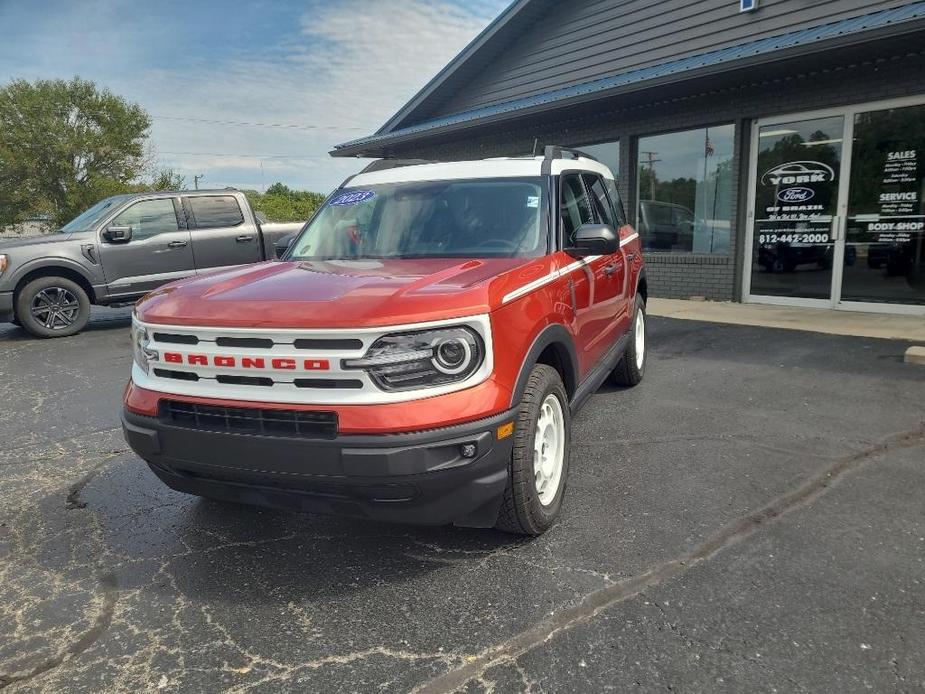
x=751, y=518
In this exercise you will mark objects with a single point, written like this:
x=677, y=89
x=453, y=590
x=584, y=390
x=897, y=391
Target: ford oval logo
x=795, y=194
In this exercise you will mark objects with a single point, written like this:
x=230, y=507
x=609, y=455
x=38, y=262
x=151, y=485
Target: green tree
x=64, y=145
x=283, y=204
x=165, y=179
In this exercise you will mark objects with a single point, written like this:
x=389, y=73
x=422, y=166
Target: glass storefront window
x=886, y=208
x=684, y=197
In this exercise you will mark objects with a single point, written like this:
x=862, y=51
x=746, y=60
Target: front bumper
x=418, y=477
x=6, y=307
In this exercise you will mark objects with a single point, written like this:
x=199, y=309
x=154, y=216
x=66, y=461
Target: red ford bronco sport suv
x=416, y=356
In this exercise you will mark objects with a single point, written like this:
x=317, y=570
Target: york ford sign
x=795, y=194
x=797, y=172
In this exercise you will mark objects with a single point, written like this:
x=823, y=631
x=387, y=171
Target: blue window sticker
x=353, y=197
x=748, y=5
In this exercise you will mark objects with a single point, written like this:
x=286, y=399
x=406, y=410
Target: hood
x=332, y=294
x=26, y=241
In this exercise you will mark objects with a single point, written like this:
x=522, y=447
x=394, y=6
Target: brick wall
x=677, y=275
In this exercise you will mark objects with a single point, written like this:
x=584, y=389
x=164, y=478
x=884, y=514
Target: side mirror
x=118, y=234
x=594, y=239
x=284, y=243
x=260, y=216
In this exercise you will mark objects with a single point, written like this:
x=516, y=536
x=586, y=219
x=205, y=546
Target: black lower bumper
x=6, y=307
x=420, y=477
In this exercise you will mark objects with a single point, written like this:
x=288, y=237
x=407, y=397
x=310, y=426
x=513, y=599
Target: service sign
x=899, y=199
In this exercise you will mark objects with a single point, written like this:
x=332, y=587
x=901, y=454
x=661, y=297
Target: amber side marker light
x=505, y=430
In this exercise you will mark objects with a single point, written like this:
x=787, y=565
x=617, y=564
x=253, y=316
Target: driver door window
x=149, y=218
x=575, y=208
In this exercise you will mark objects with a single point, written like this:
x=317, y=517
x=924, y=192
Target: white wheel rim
x=549, y=449
x=640, y=334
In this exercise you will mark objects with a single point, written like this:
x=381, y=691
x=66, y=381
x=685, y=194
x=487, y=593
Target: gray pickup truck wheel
x=53, y=307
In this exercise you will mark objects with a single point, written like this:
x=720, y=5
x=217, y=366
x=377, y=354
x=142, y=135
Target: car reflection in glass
x=787, y=257
x=668, y=226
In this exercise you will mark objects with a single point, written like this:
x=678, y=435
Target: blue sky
x=327, y=71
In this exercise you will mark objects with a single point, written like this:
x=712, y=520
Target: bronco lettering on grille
x=227, y=361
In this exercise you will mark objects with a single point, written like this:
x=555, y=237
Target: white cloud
x=347, y=66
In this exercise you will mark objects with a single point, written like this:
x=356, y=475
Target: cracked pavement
x=750, y=518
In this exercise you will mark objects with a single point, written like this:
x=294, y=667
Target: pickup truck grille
x=242, y=420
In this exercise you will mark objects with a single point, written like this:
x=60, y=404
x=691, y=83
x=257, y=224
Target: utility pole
x=650, y=162
x=196, y=180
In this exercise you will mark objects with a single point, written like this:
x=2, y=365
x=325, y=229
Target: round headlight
x=452, y=355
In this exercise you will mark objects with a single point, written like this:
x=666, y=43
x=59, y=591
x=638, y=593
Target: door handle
x=177, y=244
x=244, y=239
x=836, y=228
x=611, y=268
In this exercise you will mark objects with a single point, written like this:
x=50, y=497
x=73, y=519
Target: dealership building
x=771, y=151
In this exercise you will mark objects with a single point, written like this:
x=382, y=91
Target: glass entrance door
x=837, y=209
x=795, y=206
x=886, y=209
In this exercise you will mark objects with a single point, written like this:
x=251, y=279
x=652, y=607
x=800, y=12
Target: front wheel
x=632, y=366
x=53, y=307
x=540, y=459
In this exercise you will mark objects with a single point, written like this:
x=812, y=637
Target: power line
x=248, y=156
x=66, y=111
x=288, y=126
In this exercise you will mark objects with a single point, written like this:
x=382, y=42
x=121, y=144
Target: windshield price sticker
x=354, y=197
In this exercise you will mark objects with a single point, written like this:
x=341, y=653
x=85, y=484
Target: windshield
x=489, y=217
x=87, y=219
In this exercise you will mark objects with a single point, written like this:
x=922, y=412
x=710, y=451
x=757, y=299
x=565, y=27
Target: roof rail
x=384, y=164
x=557, y=152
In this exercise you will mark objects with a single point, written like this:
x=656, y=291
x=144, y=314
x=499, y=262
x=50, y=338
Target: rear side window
x=575, y=209
x=614, y=194
x=602, y=205
x=213, y=211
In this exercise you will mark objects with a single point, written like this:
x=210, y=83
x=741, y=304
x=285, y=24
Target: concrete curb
x=915, y=355
x=878, y=325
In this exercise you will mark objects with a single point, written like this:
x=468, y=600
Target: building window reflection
x=684, y=195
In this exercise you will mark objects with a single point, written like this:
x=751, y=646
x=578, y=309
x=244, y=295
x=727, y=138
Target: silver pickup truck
x=122, y=248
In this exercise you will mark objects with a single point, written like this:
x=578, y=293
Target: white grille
x=282, y=366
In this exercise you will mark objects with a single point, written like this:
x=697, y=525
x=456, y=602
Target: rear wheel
x=540, y=459
x=632, y=366
x=53, y=307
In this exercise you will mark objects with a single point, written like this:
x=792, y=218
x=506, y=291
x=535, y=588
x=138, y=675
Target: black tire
x=630, y=370
x=68, y=317
x=522, y=511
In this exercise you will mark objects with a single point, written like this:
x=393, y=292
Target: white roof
x=501, y=167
